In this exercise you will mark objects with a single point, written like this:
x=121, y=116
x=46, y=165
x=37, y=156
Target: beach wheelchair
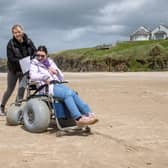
x=38, y=112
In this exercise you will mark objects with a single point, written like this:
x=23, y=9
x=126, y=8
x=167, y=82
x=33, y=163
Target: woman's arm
x=11, y=54
x=35, y=74
x=55, y=69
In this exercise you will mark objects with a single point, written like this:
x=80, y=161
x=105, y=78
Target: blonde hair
x=16, y=26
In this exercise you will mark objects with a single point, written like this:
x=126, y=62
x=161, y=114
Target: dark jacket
x=17, y=51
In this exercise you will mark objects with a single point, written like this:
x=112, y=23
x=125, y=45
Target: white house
x=160, y=32
x=141, y=33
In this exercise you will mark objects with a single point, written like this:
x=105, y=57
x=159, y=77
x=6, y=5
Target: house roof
x=141, y=31
x=160, y=32
x=166, y=26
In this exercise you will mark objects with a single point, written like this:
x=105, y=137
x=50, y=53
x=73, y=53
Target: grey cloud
x=64, y=14
x=6, y=5
x=77, y=23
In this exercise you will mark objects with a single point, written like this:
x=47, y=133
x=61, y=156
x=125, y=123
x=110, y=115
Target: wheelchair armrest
x=65, y=81
x=32, y=85
x=58, y=82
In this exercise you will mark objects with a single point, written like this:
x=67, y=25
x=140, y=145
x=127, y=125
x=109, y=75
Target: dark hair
x=42, y=48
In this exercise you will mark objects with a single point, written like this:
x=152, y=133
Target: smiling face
x=18, y=33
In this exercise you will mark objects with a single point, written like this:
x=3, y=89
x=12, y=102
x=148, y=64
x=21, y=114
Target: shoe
x=84, y=121
x=2, y=111
x=2, y=114
x=91, y=115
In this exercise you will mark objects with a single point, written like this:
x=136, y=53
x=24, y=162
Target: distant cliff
x=125, y=56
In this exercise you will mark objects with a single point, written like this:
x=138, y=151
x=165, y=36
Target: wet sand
x=132, y=131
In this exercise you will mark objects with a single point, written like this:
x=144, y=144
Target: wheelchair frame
x=50, y=100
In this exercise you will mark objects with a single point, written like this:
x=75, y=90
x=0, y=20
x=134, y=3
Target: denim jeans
x=73, y=102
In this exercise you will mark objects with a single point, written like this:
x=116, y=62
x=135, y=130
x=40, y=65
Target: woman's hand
x=52, y=71
x=47, y=81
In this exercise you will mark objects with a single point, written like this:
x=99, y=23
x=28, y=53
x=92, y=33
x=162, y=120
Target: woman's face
x=18, y=34
x=41, y=56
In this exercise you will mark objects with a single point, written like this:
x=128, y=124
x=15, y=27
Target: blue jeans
x=72, y=101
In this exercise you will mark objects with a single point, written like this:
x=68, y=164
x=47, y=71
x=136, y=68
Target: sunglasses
x=40, y=55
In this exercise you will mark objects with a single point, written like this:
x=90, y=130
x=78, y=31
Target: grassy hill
x=3, y=67
x=124, y=56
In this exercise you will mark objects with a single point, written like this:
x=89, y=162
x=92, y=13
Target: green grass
x=127, y=56
x=135, y=54
x=137, y=48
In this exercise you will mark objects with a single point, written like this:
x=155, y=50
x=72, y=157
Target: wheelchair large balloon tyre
x=36, y=116
x=13, y=114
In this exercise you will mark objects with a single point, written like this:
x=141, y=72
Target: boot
x=2, y=110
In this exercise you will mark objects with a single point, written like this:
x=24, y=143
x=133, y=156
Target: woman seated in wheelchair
x=44, y=70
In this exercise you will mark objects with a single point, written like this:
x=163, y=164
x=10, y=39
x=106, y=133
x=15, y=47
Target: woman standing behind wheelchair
x=20, y=46
x=43, y=70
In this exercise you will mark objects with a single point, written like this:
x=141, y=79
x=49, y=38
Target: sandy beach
x=132, y=131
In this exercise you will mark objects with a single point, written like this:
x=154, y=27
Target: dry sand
x=132, y=131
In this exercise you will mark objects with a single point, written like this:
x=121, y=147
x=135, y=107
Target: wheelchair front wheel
x=36, y=116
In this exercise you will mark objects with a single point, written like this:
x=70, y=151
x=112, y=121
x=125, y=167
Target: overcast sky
x=67, y=24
